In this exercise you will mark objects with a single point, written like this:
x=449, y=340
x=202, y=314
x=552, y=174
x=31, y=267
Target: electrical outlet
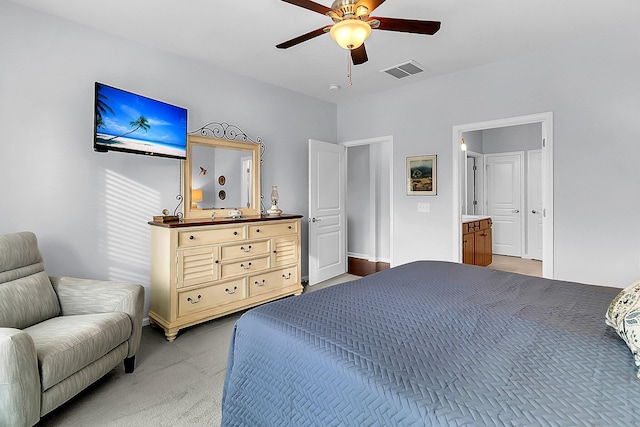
x=424, y=207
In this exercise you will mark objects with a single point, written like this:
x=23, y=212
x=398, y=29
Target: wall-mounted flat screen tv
x=136, y=124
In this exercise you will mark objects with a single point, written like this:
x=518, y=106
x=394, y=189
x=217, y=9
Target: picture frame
x=422, y=175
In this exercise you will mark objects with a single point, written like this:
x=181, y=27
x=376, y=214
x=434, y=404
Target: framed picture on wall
x=421, y=175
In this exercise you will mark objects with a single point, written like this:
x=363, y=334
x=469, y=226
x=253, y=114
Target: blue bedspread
x=433, y=344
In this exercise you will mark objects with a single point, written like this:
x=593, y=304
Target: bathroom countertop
x=469, y=218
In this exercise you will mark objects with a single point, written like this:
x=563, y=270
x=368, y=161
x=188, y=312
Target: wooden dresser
x=204, y=269
x=477, y=242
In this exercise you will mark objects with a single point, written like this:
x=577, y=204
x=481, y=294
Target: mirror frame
x=249, y=147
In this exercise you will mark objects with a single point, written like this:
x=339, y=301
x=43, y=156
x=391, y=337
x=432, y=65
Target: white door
x=504, y=202
x=534, y=204
x=327, y=211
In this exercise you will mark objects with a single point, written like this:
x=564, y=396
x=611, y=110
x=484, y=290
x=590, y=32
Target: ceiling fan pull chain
x=349, y=67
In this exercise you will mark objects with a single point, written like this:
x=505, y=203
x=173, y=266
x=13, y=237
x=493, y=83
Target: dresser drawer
x=272, y=281
x=245, y=249
x=211, y=297
x=236, y=268
x=197, y=266
x=211, y=236
x=274, y=229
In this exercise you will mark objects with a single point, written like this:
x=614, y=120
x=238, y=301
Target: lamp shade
x=350, y=33
x=196, y=196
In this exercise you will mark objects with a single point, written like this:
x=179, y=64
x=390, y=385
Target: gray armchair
x=58, y=335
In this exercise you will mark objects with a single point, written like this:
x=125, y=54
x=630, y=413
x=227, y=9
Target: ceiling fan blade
x=370, y=4
x=302, y=38
x=310, y=5
x=359, y=55
x=406, y=25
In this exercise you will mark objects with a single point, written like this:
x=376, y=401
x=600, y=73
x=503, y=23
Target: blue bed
x=433, y=344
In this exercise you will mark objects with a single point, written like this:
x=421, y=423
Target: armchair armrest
x=19, y=379
x=86, y=296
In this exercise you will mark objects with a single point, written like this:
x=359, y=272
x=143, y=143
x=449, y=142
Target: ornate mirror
x=221, y=175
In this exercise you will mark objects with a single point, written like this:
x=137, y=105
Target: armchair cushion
x=66, y=344
x=85, y=296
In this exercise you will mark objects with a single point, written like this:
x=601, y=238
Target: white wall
x=591, y=86
x=512, y=138
x=358, y=202
x=90, y=210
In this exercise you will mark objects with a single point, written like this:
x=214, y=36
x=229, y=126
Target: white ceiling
x=241, y=35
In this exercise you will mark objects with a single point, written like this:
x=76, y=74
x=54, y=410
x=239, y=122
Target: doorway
x=328, y=204
x=369, y=204
x=544, y=209
x=473, y=202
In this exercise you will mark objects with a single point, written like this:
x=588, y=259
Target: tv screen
x=133, y=123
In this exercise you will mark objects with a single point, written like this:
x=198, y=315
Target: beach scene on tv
x=126, y=121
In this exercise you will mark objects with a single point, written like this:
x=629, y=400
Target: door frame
x=546, y=119
x=372, y=215
x=529, y=232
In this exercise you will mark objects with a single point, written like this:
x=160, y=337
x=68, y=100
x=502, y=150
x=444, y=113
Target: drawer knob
x=191, y=237
x=257, y=230
x=260, y=283
x=196, y=301
x=235, y=233
x=216, y=261
x=247, y=249
x=286, y=277
x=235, y=288
x=246, y=267
x=290, y=227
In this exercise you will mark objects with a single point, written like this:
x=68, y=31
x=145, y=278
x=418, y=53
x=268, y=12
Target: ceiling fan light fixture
x=350, y=33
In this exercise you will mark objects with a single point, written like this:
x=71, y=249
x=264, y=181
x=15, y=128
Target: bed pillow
x=624, y=316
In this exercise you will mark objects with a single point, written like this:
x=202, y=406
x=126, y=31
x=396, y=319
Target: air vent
x=405, y=69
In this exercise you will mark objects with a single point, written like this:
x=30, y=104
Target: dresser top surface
x=220, y=221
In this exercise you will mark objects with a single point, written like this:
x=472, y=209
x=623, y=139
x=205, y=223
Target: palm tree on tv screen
x=102, y=108
x=140, y=123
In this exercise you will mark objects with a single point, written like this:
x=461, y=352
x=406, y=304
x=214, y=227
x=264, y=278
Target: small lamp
x=463, y=146
x=274, y=211
x=196, y=196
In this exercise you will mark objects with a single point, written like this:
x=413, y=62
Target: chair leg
x=129, y=364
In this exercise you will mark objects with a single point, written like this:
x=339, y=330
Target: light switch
x=424, y=207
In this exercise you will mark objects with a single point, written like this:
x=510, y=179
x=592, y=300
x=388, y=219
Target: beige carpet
x=175, y=384
x=530, y=267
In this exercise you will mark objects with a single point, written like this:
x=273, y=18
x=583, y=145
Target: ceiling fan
x=353, y=24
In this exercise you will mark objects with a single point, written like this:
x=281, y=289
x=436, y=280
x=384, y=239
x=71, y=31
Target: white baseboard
x=367, y=257
x=357, y=255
